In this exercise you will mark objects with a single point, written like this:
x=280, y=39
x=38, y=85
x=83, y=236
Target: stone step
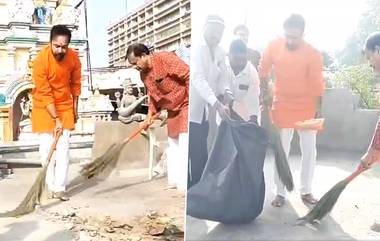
x=4, y=165
x=33, y=147
x=6, y=171
x=33, y=157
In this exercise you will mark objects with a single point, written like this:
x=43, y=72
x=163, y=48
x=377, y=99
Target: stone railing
x=347, y=127
x=86, y=122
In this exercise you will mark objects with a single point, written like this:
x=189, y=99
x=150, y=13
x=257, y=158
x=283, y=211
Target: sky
x=328, y=22
x=100, y=14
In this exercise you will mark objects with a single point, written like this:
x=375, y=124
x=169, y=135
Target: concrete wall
x=347, y=127
x=136, y=153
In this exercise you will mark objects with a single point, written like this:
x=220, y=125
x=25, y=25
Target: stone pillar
x=32, y=55
x=11, y=51
x=33, y=52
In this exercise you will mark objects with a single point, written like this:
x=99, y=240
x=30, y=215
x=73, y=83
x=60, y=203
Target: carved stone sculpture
x=21, y=11
x=128, y=104
x=65, y=13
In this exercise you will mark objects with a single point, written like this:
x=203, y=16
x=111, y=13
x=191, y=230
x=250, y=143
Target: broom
x=34, y=195
x=281, y=162
x=106, y=162
x=327, y=202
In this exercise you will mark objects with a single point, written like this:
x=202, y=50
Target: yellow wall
x=5, y=124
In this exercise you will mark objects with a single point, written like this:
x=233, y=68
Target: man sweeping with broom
x=297, y=93
x=372, y=51
x=372, y=156
x=166, y=78
x=57, y=80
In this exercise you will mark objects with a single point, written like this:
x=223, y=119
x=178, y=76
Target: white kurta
x=245, y=89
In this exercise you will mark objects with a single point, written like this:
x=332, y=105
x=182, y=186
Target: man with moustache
x=207, y=88
x=57, y=79
x=297, y=95
x=166, y=78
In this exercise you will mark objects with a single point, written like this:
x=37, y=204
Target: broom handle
x=356, y=173
x=270, y=116
x=138, y=130
x=53, y=146
x=360, y=170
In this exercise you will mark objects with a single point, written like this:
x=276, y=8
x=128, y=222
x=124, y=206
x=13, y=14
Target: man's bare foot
x=278, y=201
x=376, y=227
x=309, y=199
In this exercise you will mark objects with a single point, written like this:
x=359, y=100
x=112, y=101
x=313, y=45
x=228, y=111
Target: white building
x=164, y=24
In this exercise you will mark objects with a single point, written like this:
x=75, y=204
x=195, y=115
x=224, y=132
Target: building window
x=187, y=24
x=168, y=32
x=168, y=18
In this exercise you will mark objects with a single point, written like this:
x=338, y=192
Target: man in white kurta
x=206, y=86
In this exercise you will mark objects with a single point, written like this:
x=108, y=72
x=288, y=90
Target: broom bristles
x=104, y=164
x=281, y=162
x=325, y=204
x=32, y=197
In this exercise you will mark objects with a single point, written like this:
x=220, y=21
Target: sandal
x=278, y=201
x=376, y=227
x=309, y=199
x=61, y=196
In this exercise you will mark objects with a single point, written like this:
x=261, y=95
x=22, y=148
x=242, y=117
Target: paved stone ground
x=125, y=195
x=356, y=210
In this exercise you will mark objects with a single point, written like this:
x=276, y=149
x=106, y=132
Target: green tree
x=361, y=80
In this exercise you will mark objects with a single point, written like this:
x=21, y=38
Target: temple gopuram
x=24, y=29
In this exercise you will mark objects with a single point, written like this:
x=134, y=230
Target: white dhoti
x=177, y=158
x=308, y=162
x=57, y=171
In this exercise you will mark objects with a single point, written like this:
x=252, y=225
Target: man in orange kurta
x=297, y=95
x=166, y=78
x=57, y=80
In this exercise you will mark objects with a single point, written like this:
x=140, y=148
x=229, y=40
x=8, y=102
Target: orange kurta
x=57, y=83
x=167, y=83
x=299, y=81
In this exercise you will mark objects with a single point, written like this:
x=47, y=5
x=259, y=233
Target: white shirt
x=245, y=89
x=207, y=79
x=183, y=53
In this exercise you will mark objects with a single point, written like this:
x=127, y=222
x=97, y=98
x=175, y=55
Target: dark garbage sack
x=232, y=188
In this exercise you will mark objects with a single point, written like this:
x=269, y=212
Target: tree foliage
x=361, y=80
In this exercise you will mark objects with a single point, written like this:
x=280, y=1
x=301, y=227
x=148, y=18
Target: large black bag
x=232, y=188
